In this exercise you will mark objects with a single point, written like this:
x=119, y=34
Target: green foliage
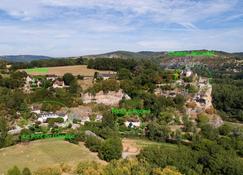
x=205, y=157
x=26, y=171
x=202, y=119
x=51, y=121
x=191, y=88
x=124, y=74
x=157, y=132
x=93, y=143
x=111, y=149
x=105, y=86
x=68, y=78
x=49, y=63
x=3, y=131
x=132, y=104
x=109, y=120
x=74, y=87
x=225, y=129
x=209, y=132
x=14, y=171
x=111, y=64
x=229, y=99
x=179, y=101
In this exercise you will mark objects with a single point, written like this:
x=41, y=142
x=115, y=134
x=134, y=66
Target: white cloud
x=169, y=11
x=75, y=27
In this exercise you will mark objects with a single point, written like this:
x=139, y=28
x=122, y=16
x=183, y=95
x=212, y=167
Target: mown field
x=60, y=71
x=44, y=153
x=133, y=146
x=142, y=143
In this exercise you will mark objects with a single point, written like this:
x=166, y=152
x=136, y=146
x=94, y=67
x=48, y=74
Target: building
x=44, y=116
x=186, y=73
x=51, y=77
x=58, y=84
x=132, y=123
x=105, y=76
x=84, y=119
x=98, y=118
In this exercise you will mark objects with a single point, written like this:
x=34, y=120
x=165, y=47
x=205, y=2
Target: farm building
x=132, y=123
x=44, y=116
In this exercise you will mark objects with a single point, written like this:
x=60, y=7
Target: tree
x=225, y=129
x=3, y=131
x=111, y=149
x=124, y=74
x=74, y=87
x=26, y=171
x=109, y=120
x=154, y=131
x=68, y=78
x=14, y=171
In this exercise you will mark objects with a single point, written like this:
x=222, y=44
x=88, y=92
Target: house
x=36, y=108
x=105, y=76
x=98, y=118
x=186, y=73
x=132, y=123
x=85, y=119
x=16, y=130
x=32, y=81
x=51, y=77
x=58, y=84
x=29, y=79
x=44, y=116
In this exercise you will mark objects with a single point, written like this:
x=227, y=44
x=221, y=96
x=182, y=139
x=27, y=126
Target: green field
x=37, y=70
x=144, y=143
x=41, y=153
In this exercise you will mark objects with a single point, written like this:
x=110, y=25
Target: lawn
x=61, y=70
x=46, y=152
x=144, y=143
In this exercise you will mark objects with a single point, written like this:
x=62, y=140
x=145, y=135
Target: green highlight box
x=28, y=137
x=37, y=70
x=192, y=53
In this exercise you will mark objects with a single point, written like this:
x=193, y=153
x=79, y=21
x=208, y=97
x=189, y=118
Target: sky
x=80, y=27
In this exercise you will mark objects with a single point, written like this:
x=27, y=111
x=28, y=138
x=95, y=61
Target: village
x=196, y=90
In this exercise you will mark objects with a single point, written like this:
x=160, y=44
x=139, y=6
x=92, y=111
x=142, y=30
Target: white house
x=44, y=116
x=132, y=123
x=186, y=73
x=85, y=119
x=51, y=77
x=106, y=76
x=98, y=118
x=58, y=84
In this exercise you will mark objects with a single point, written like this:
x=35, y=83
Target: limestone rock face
x=216, y=121
x=111, y=98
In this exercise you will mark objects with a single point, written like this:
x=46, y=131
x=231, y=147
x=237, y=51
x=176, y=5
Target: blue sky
x=79, y=27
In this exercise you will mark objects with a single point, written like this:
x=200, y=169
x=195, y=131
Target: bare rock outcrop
x=111, y=98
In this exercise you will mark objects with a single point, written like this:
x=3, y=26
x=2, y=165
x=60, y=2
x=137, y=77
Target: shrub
x=14, y=171
x=111, y=149
x=49, y=171
x=26, y=171
x=93, y=143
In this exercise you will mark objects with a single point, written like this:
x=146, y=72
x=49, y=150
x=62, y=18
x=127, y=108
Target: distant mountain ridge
x=127, y=54
x=115, y=54
x=23, y=58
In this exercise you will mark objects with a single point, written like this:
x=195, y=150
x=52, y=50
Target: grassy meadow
x=42, y=153
x=61, y=70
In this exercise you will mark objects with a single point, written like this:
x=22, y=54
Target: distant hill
x=23, y=58
x=238, y=54
x=127, y=54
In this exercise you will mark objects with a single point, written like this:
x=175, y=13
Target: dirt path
x=130, y=148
